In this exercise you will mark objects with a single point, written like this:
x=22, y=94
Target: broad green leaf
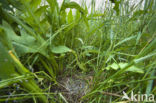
x=4, y=39
x=116, y=66
x=6, y=65
x=9, y=31
x=28, y=44
x=60, y=49
x=21, y=23
x=25, y=43
x=23, y=49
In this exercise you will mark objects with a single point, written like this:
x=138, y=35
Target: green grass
x=44, y=48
